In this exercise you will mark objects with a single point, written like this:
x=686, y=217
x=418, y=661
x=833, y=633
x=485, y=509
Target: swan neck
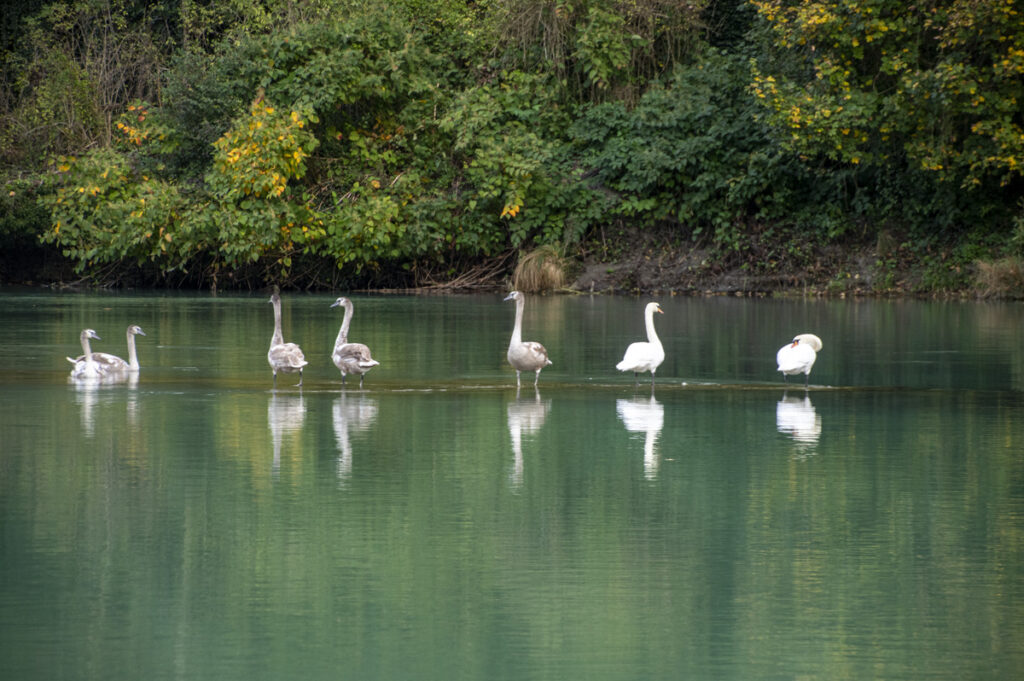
x=343, y=332
x=86, y=349
x=278, y=337
x=652, y=335
x=517, y=330
x=133, y=360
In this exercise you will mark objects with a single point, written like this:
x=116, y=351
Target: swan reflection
x=285, y=414
x=524, y=416
x=644, y=415
x=795, y=417
x=87, y=393
x=352, y=414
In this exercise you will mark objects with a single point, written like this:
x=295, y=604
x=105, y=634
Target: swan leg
x=275, y=380
x=518, y=383
x=361, y=377
x=299, y=384
x=536, y=378
x=636, y=380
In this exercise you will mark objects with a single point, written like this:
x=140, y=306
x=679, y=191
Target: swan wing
x=641, y=356
x=796, y=359
x=287, y=355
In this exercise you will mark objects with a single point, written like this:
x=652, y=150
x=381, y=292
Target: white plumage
x=286, y=357
x=88, y=367
x=799, y=356
x=350, y=358
x=524, y=356
x=643, y=356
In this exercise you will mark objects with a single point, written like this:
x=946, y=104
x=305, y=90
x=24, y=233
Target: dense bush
x=422, y=135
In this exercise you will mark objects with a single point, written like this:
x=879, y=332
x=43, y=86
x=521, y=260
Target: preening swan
x=798, y=357
x=647, y=356
x=528, y=356
x=88, y=368
x=111, y=364
x=350, y=358
x=286, y=357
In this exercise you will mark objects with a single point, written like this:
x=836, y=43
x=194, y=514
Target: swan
x=286, y=357
x=798, y=357
x=109, y=364
x=647, y=356
x=88, y=367
x=528, y=356
x=350, y=358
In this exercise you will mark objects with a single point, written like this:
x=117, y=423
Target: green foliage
x=103, y=211
x=692, y=153
x=937, y=83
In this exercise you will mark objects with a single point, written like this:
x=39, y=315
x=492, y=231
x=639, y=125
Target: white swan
x=647, y=356
x=350, y=358
x=798, y=357
x=111, y=364
x=88, y=367
x=528, y=356
x=286, y=357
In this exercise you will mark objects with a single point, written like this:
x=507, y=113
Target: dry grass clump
x=542, y=269
x=1001, y=279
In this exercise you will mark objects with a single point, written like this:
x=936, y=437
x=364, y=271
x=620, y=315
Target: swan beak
x=510, y=296
x=141, y=332
x=335, y=304
x=795, y=343
x=659, y=310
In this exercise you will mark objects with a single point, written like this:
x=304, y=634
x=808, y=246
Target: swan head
x=340, y=301
x=274, y=298
x=89, y=333
x=808, y=339
x=654, y=307
x=136, y=330
x=515, y=295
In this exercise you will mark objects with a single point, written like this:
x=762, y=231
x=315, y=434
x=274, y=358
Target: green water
x=435, y=525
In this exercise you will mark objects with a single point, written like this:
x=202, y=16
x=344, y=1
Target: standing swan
x=286, y=357
x=111, y=364
x=350, y=358
x=647, y=356
x=528, y=356
x=87, y=368
x=798, y=357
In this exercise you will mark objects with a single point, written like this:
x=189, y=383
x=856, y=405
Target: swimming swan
x=88, y=367
x=286, y=357
x=647, y=356
x=110, y=364
x=798, y=357
x=350, y=358
x=528, y=356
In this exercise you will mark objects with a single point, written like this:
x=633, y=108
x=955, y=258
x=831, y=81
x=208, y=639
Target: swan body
x=524, y=356
x=350, y=358
x=286, y=357
x=88, y=367
x=799, y=356
x=112, y=364
x=643, y=356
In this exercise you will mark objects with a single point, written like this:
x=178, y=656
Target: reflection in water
x=795, y=417
x=351, y=415
x=285, y=414
x=644, y=415
x=524, y=416
x=87, y=390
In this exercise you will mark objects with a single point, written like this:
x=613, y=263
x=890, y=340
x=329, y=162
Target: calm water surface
x=437, y=525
